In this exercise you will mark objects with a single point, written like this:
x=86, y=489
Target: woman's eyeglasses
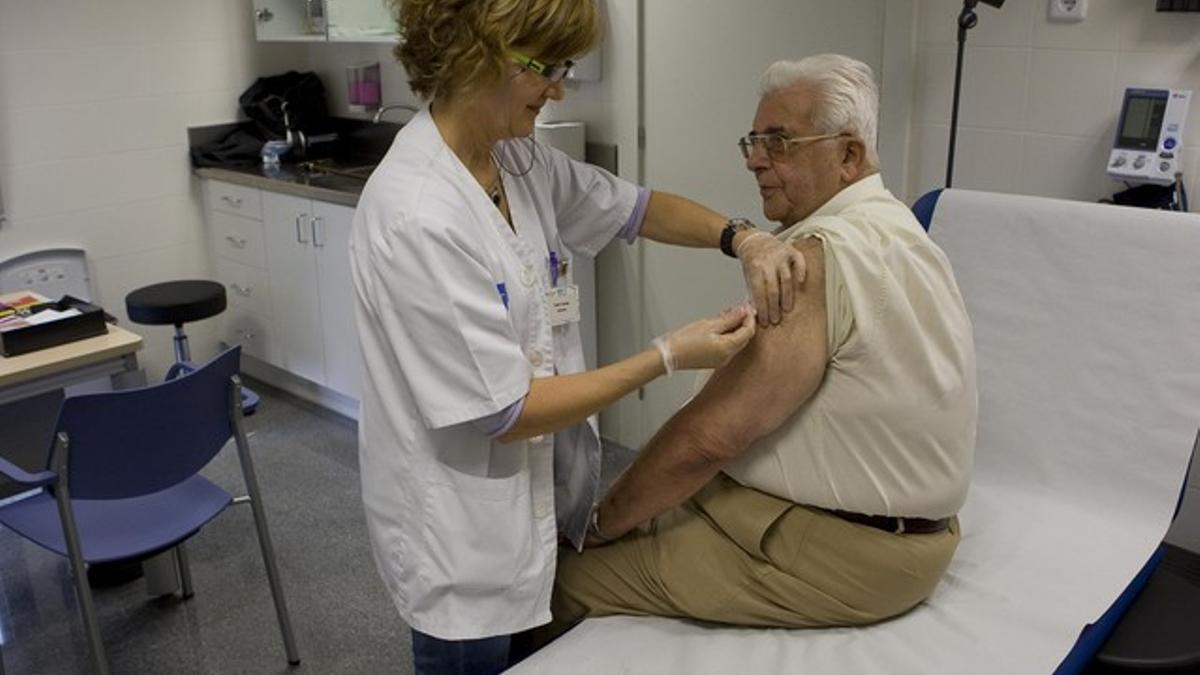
x=777, y=145
x=555, y=72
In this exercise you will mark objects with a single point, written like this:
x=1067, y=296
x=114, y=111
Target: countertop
x=326, y=188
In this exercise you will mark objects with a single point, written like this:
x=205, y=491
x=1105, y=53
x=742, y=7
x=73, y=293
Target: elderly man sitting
x=814, y=481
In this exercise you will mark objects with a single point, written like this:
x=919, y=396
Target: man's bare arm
x=742, y=402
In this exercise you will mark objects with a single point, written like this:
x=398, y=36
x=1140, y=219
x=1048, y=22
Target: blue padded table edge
x=924, y=206
x=1093, y=636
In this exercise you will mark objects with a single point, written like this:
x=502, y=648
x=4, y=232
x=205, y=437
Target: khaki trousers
x=735, y=555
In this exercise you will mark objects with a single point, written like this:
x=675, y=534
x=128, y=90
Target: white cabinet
x=288, y=223
x=235, y=228
x=323, y=20
x=335, y=291
x=285, y=265
x=289, y=20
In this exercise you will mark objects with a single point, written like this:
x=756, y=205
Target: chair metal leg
x=185, y=572
x=1, y=660
x=260, y=523
x=161, y=574
x=75, y=552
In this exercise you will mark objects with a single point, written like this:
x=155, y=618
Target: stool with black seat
x=176, y=303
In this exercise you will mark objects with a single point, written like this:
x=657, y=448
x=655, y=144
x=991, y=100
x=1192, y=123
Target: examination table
x=1087, y=330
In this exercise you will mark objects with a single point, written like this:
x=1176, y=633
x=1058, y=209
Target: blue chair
x=124, y=483
x=924, y=206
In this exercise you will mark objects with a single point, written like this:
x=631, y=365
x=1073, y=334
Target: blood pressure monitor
x=1149, y=136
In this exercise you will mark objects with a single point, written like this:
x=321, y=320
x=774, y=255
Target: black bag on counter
x=239, y=146
x=305, y=97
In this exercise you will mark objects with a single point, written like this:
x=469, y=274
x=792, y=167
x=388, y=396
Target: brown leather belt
x=893, y=524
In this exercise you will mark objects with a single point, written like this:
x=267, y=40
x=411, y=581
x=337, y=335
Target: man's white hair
x=846, y=98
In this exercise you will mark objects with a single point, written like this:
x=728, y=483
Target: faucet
x=295, y=137
x=393, y=106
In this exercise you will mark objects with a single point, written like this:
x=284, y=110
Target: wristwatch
x=732, y=227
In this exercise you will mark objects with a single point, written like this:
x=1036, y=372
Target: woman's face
x=523, y=97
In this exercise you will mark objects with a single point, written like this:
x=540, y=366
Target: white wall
x=95, y=101
x=1040, y=99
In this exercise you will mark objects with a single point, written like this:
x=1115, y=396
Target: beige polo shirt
x=891, y=429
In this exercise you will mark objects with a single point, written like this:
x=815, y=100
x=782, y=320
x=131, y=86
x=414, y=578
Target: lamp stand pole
x=966, y=21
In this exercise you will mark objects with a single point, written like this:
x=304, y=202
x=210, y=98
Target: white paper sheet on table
x=1087, y=329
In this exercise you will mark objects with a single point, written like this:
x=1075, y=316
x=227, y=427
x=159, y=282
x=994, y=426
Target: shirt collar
x=851, y=194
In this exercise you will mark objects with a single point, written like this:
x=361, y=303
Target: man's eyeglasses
x=555, y=72
x=777, y=145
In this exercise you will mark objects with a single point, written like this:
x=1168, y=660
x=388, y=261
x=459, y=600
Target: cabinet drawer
x=236, y=199
x=252, y=332
x=238, y=239
x=245, y=287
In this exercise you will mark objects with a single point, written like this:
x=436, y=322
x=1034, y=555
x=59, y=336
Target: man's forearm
x=671, y=219
x=677, y=462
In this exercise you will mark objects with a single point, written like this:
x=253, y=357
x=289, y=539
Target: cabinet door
x=289, y=20
x=291, y=267
x=360, y=21
x=331, y=240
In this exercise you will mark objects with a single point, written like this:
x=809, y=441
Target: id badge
x=563, y=302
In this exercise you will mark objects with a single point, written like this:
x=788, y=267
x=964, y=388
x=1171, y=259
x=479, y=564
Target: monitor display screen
x=1141, y=121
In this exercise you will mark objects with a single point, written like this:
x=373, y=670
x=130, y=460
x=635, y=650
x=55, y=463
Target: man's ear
x=854, y=160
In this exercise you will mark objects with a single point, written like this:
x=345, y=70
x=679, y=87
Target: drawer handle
x=235, y=202
x=243, y=291
x=237, y=242
x=318, y=231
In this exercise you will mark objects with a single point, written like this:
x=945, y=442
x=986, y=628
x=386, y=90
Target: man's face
x=805, y=175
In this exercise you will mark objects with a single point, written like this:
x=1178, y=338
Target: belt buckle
x=899, y=526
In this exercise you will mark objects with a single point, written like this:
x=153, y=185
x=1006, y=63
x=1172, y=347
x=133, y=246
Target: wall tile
x=927, y=159
x=1142, y=28
x=994, y=87
x=1065, y=167
x=933, y=84
x=1070, y=91
x=1099, y=31
x=986, y=159
x=41, y=134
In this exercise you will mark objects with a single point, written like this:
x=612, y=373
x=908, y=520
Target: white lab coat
x=464, y=529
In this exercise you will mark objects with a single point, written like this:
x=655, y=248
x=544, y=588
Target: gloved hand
x=707, y=343
x=774, y=270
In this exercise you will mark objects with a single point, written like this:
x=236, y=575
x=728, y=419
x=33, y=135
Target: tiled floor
x=307, y=465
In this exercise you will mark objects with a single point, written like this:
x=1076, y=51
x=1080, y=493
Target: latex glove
x=708, y=343
x=774, y=271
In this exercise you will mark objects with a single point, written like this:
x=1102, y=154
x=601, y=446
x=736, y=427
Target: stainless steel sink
x=331, y=181
x=326, y=167
x=332, y=175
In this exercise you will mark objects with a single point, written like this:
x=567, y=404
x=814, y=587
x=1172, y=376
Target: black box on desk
x=88, y=323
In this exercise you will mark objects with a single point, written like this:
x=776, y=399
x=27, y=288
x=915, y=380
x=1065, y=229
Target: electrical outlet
x=1068, y=10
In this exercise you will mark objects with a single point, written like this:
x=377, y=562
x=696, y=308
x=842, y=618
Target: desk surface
x=43, y=362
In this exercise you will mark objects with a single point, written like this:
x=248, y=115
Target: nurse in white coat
x=477, y=445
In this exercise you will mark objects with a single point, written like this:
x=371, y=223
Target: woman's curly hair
x=451, y=46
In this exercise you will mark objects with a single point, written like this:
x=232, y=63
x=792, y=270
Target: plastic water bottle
x=271, y=153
